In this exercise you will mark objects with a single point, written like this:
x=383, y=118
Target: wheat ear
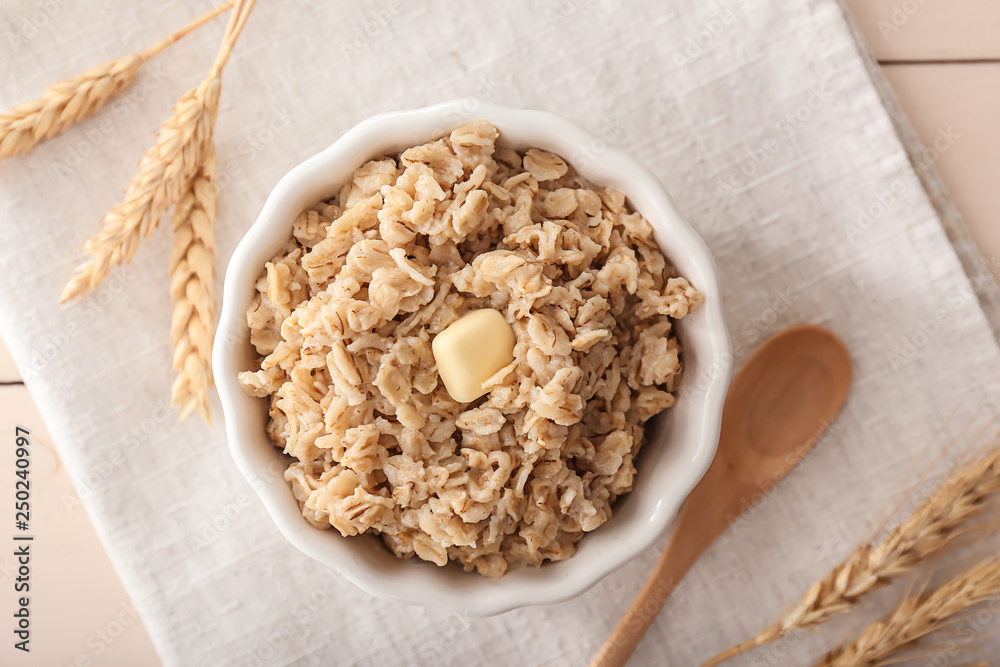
x=192, y=275
x=65, y=103
x=918, y=616
x=192, y=270
x=937, y=523
x=164, y=173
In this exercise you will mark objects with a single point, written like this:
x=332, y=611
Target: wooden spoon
x=777, y=407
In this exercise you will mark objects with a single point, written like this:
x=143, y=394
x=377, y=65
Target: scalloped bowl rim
x=690, y=429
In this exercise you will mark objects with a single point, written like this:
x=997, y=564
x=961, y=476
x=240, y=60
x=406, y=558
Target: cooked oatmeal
x=345, y=314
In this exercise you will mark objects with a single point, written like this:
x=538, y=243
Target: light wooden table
x=942, y=58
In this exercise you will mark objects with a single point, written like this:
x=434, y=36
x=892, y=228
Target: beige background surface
x=942, y=59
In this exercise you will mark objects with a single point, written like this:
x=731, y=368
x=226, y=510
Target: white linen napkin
x=763, y=119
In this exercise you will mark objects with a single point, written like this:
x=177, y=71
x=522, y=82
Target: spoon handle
x=777, y=406
x=673, y=565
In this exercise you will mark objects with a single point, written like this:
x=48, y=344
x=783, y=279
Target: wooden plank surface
x=955, y=109
x=79, y=611
x=922, y=30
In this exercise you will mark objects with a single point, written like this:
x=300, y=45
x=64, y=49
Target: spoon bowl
x=782, y=400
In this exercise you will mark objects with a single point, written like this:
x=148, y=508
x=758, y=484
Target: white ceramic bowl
x=679, y=447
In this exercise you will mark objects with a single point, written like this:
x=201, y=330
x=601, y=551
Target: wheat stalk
x=192, y=275
x=918, y=616
x=192, y=270
x=180, y=170
x=67, y=102
x=936, y=524
x=164, y=172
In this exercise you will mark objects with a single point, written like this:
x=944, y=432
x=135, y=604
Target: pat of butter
x=471, y=350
